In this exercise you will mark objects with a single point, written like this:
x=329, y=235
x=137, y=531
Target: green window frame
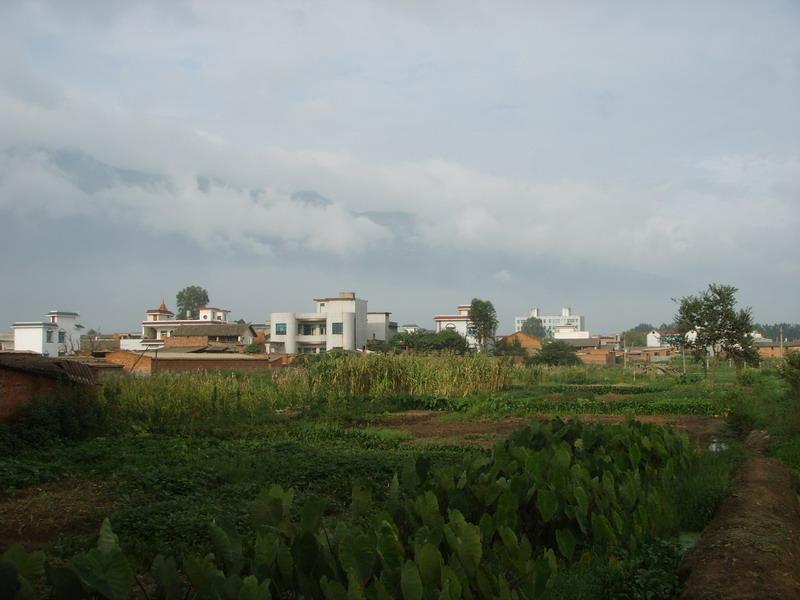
x=280, y=328
x=337, y=328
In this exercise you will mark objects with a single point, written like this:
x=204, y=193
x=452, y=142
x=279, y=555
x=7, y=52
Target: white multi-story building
x=59, y=334
x=339, y=323
x=460, y=323
x=563, y=326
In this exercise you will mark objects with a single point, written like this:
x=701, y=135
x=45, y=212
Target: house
x=772, y=349
x=7, y=342
x=210, y=334
x=460, y=323
x=648, y=354
x=176, y=360
x=530, y=344
x=339, y=323
x=160, y=323
x=411, y=328
x=563, y=326
x=26, y=376
x=59, y=334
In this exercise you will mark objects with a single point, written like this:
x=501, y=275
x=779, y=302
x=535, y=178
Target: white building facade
x=459, y=322
x=339, y=323
x=58, y=335
x=160, y=323
x=564, y=326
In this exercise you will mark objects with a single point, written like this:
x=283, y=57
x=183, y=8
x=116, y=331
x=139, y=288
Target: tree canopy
x=533, y=326
x=714, y=326
x=189, y=299
x=427, y=341
x=483, y=321
x=556, y=352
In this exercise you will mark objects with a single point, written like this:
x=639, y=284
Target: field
x=410, y=477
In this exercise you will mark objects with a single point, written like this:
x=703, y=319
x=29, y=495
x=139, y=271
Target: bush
x=790, y=372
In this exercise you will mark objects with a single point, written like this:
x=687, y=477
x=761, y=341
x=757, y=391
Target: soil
x=38, y=515
x=435, y=427
x=752, y=547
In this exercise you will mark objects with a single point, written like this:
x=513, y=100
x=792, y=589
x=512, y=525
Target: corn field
x=190, y=401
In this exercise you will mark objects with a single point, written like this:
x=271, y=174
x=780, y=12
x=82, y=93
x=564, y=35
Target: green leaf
x=411, y=582
x=10, y=582
x=357, y=554
x=206, y=579
x=29, y=565
x=106, y=572
x=547, y=502
x=311, y=514
x=66, y=584
x=227, y=545
x=465, y=540
x=430, y=561
x=108, y=540
x=168, y=579
x=271, y=507
x=566, y=542
x=390, y=549
x=332, y=589
x=252, y=590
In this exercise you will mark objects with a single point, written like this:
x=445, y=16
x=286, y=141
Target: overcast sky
x=607, y=156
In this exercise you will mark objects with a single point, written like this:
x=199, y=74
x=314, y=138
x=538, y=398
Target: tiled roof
x=54, y=368
x=213, y=329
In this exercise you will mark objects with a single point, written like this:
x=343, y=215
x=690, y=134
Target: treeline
x=791, y=331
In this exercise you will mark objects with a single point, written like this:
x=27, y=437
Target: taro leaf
x=332, y=589
x=10, y=582
x=29, y=565
x=545, y=567
x=168, y=580
x=563, y=456
x=106, y=572
x=390, y=549
x=285, y=561
x=311, y=514
x=487, y=526
x=581, y=500
x=430, y=561
x=451, y=585
x=305, y=551
x=357, y=554
x=635, y=454
x=465, y=541
x=252, y=590
x=271, y=507
x=427, y=507
x=65, y=582
x=411, y=582
x=265, y=554
x=232, y=587
x=227, y=546
x=602, y=531
x=566, y=542
x=547, y=501
x=408, y=475
x=206, y=579
x=509, y=540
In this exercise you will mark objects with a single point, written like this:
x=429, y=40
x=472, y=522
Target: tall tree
x=483, y=321
x=710, y=325
x=556, y=352
x=533, y=326
x=632, y=337
x=189, y=299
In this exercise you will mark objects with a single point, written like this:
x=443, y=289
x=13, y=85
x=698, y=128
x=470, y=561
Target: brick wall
x=186, y=341
x=18, y=388
x=129, y=359
x=174, y=365
x=597, y=356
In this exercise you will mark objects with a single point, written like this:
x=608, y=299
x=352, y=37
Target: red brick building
x=167, y=361
x=26, y=376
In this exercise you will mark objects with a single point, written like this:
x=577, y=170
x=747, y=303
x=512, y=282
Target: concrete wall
x=33, y=338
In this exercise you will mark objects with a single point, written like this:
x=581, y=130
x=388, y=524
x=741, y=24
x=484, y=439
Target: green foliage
x=189, y=299
x=426, y=342
x=633, y=337
x=791, y=331
x=254, y=348
x=483, y=321
x=533, y=326
x=712, y=317
x=555, y=352
x=48, y=419
x=506, y=348
x=790, y=372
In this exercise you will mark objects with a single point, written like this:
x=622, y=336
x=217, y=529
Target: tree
x=189, y=299
x=556, y=352
x=710, y=325
x=634, y=338
x=483, y=321
x=533, y=326
x=427, y=341
x=506, y=348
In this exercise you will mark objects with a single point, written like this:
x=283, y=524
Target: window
x=49, y=336
x=62, y=337
x=305, y=329
x=336, y=328
x=280, y=328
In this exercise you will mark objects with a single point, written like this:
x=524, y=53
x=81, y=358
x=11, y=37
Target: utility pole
x=781, y=341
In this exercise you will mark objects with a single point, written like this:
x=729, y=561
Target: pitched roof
x=54, y=368
x=214, y=329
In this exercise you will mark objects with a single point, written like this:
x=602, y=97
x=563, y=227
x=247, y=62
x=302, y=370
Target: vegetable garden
x=231, y=486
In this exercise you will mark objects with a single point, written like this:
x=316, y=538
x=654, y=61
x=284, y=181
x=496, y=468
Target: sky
x=605, y=156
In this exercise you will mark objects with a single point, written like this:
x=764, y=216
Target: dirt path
x=36, y=516
x=435, y=427
x=752, y=547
